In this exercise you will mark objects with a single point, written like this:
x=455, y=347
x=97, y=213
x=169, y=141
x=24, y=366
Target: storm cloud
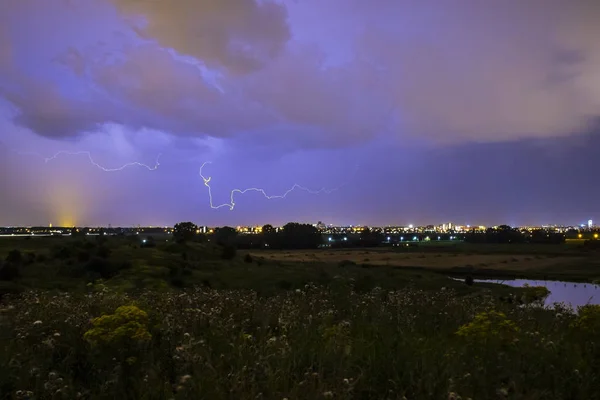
x=460, y=71
x=326, y=83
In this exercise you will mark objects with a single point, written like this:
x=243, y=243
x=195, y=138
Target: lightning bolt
x=94, y=163
x=231, y=203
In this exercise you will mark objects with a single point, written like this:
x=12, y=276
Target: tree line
x=292, y=235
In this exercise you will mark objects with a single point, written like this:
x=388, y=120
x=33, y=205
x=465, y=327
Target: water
x=575, y=294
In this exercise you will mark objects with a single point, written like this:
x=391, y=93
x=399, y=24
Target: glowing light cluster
x=232, y=194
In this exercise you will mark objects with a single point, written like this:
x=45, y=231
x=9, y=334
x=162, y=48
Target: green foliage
x=311, y=342
x=128, y=324
x=588, y=320
x=535, y=294
x=489, y=326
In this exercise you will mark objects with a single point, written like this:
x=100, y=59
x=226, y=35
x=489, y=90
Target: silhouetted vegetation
x=505, y=234
x=184, y=231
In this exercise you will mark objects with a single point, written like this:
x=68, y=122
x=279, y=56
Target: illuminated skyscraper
x=590, y=224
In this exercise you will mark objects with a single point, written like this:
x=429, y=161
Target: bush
x=84, y=256
x=469, y=280
x=228, y=253
x=102, y=267
x=62, y=253
x=248, y=258
x=103, y=252
x=346, y=263
x=14, y=257
x=9, y=271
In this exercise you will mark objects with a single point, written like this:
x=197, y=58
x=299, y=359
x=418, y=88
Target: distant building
x=590, y=224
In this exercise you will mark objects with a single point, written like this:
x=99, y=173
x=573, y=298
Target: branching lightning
x=231, y=203
x=94, y=163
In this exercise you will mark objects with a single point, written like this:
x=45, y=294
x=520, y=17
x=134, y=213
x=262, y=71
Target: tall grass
x=310, y=343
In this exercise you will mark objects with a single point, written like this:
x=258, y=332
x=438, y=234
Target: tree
x=184, y=231
x=269, y=235
x=299, y=236
x=225, y=236
x=369, y=238
x=268, y=229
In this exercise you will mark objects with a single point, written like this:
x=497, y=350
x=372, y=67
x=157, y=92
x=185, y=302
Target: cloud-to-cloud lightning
x=94, y=163
x=269, y=84
x=232, y=194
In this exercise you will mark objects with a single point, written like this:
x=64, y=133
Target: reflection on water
x=576, y=294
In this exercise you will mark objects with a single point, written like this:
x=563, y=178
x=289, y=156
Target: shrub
x=346, y=263
x=127, y=324
x=103, y=252
x=248, y=258
x=469, y=280
x=62, y=253
x=83, y=256
x=490, y=325
x=9, y=271
x=101, y=266
x=14, y=257
x=535, y=294
x=228, y=252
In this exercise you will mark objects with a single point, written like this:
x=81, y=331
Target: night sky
x=417, y=112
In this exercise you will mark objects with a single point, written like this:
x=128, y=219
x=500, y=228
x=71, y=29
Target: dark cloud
x=324, y=74
x=240, y=35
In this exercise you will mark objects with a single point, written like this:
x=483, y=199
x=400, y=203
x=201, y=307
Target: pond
x=575, y=294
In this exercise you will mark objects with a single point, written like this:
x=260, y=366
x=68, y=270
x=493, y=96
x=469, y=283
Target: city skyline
x=483, y=114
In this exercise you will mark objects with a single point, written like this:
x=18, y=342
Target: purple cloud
x=251, y=85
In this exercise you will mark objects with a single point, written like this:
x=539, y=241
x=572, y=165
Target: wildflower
x=328, y=394
x=502, y=392
x=127, y=323
x=186, y=335
x=38, y=322
x=56, y=334
x=184, y=379
x=346, y=381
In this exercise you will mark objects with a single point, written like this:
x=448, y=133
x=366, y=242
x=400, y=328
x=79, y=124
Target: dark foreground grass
x=181, y=322
x=310, y=343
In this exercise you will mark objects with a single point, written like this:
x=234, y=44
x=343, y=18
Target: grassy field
x=559, y=262
x=86, y=319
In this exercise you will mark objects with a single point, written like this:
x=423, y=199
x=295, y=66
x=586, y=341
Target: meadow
x=554, y=262
x=192, y=321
